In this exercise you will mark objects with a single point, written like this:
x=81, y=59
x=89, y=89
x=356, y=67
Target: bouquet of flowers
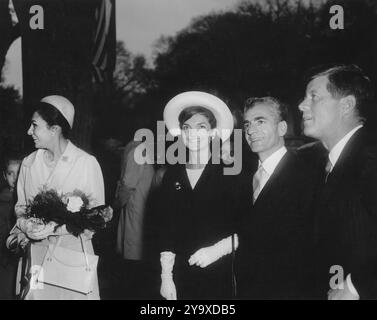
x=70, y=209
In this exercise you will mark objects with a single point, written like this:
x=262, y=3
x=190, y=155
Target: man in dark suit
x=272, y=260
x=335, y=110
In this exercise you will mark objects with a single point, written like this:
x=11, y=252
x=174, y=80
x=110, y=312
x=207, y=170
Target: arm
x=21, y=196
x=16, y=240
x=130, y=178
x=94, y=182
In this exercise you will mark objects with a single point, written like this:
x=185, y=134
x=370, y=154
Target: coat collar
x=69, y=155
x=348, y=157
x=183, y=180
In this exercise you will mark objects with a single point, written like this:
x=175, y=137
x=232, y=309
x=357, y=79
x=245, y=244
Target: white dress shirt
x=338, y=148
x=271, y=163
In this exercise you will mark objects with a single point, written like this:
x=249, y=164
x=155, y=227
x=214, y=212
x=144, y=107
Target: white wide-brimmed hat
x=224, y=118
x=63, y=105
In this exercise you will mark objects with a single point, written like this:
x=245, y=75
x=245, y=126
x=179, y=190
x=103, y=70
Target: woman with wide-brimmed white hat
x=199, y=207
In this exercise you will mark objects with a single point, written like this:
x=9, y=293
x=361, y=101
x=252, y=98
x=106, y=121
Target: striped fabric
x=104, y=41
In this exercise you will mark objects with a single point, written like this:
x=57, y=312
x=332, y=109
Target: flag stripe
x=104, y=41
x=105, y=31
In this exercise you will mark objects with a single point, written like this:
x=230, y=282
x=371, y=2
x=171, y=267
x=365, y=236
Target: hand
x=168, y=290
x=22, y=240
x=204, y=257
x=341, y=294
x=87, y=234
x=42, y=233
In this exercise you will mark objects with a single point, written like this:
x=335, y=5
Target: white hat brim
x=224, y=118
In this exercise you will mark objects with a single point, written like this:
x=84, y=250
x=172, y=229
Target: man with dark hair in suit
x=272, y=260
x=335, y=110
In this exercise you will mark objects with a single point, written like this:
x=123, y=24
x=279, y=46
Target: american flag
x=104, y=41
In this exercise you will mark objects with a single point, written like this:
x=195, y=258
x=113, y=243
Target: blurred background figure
x=8, y=263
x=131, y=197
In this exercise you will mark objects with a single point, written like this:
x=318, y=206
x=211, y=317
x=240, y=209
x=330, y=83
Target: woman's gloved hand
x=167, y=290
x=41, y=233
x=208, y=255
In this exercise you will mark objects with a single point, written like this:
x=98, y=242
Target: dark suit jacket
x=346, y=218
x=273, y=258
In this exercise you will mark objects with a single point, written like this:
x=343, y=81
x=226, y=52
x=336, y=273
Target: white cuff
x=351, y=286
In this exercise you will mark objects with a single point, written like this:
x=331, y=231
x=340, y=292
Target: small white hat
x=63, y=105
x=224, y=118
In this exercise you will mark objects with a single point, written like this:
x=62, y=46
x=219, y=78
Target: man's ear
x=348, y=104
x=282, y=128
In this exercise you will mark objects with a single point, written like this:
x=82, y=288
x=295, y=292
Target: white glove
x=205, y=256
x=35, y=229
x=16, y=240
x=42, y=233
x=167, y=290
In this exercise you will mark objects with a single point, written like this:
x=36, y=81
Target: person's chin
x=256, y=145
x=256, y=149
x=37, y=145
x=192, y=148
x=309, y=131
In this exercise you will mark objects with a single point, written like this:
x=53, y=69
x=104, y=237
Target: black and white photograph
x=209, y=151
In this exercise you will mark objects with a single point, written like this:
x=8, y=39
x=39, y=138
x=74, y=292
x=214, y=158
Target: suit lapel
x=206, y=174
x=274, y=181
x=346, y=164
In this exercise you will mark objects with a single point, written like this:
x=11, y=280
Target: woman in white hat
x=199, y=210
x=56, y=164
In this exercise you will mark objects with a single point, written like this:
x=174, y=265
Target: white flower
x=74, y=204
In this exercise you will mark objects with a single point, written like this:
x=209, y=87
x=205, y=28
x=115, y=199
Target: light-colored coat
x=132, y=194
x=76, y=169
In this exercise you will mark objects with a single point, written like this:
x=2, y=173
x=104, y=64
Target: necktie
x=259, y=180
x=328, y=169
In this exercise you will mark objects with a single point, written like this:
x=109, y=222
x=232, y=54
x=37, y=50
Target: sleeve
x=364, y=274
x=21, y=195
x=165, y=213
x=95, y=184
x=130, y=178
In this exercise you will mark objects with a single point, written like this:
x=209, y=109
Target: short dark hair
x=53, y=117
x=187, y=113
x=281, y=108
x=9, y=157
x=344, y=80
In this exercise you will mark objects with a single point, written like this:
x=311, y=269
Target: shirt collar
x=338, y=148
x=273, y=160
x=69, y=153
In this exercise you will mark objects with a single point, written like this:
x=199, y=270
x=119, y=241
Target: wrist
x=167, y=260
